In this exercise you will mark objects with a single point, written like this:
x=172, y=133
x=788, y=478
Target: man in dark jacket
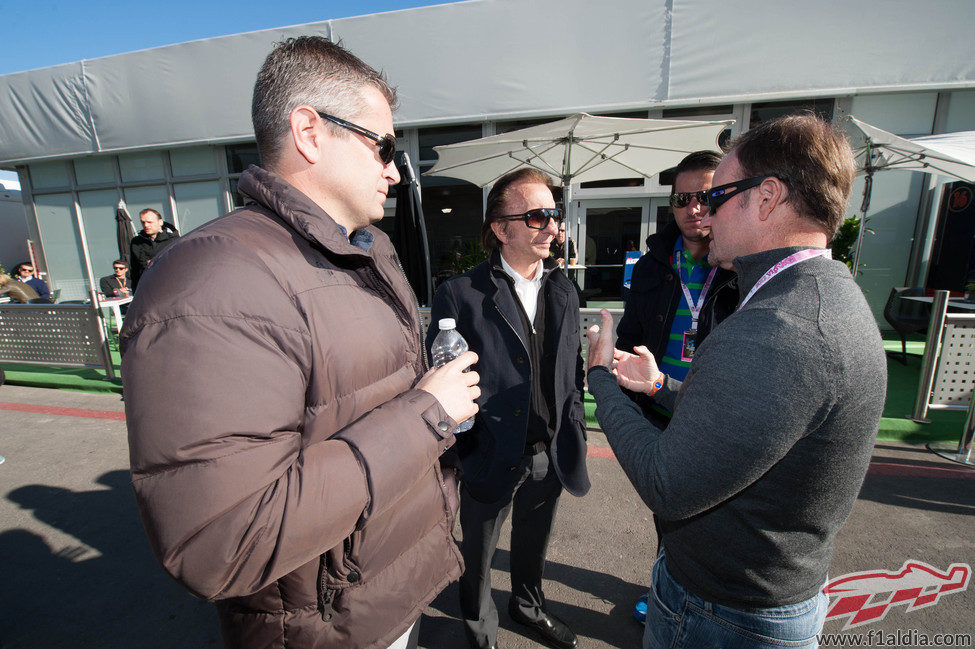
x=16, y=290
x=24, y=271
x=675, y=295
x=774, y=426
x=291, y=473
x=118, y=283
x=520, y=313
x=148, y=243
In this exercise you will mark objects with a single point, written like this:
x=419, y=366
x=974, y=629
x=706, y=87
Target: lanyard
x=788, y=262
x=695, y=309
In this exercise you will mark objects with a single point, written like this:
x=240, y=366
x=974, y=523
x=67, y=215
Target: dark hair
x=149, y=210
x=313, y=71
x=810, y=156
x=498, y=198
x=16, y=270
x=120, y=262
x=697, y=161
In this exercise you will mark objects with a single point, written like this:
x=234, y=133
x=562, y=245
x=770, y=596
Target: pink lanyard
x=788, y=262
x=695, y=309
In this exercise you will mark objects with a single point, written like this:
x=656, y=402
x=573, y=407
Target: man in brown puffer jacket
x=284, y=431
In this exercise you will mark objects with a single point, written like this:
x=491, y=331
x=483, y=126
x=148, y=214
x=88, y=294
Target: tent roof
x=503, y=59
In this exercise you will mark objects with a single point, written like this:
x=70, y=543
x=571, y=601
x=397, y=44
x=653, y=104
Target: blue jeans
x=677, y=619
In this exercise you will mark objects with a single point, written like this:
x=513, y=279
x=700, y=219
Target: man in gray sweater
x=774, y=424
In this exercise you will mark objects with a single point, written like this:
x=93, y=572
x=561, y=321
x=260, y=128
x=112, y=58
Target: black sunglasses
x=683, y=199
x=387, y=143
x=120, y=267
x=538, y=218
x=718, y=196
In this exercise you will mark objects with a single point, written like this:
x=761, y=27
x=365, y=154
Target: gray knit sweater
x=770, y=440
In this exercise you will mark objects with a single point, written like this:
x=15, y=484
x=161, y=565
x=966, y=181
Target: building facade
x=169, y=128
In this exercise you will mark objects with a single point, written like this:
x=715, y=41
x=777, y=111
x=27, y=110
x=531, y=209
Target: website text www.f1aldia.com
x=898, y=638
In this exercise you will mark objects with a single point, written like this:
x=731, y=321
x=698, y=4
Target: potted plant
x=970, y=291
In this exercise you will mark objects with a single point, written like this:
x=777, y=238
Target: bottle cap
x=447, y=323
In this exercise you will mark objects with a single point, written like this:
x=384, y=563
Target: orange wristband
x=659, y=383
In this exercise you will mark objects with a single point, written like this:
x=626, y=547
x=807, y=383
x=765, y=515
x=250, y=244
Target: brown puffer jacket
x=282, y=460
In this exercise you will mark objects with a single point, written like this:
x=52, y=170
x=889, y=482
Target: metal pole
x=867, y=191
x=102, y=337
x=939, y=309
x=963, y=453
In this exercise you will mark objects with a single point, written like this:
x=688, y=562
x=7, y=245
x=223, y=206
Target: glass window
x=197, y=203
x=95, y=170
x=44, y=175
x=620, y=182
x=193, y=161
x=236, y=198
x=62, y=245
x=773, y=109
x=610, y=233
x=241, y=156
x=514, y=125
x=697, y=111
x=431, y=137
x=453, y=217
x=632, y=114
x=141, y=166
x=961, y=111
x=154, y=196
x=98, y=217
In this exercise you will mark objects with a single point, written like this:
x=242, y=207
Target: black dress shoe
x=552, y=631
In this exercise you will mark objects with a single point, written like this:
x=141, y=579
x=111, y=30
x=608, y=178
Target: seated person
x=16, y=290
x=118, y=284
x=25, y=272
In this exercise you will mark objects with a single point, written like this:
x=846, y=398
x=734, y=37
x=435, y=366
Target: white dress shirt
x=526, y=289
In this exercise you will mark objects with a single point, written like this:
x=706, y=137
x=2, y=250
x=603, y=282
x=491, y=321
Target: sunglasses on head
x=537, y=219
x=718, y=196
x=387, y=143
x=683, y=199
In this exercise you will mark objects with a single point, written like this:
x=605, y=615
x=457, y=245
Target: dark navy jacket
x=483, y=304
x=655, y=295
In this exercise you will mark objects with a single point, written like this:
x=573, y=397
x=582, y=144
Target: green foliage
x=466, y=255
x=845, y=241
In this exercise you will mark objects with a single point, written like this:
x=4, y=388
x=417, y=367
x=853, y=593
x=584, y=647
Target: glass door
x=607, y=230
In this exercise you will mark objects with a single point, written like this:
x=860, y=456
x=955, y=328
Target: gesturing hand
x=600, y=342
x=454, y=388
x=637, y=371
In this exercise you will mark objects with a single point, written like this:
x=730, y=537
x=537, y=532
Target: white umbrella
x=950, y=154
x=581, y=148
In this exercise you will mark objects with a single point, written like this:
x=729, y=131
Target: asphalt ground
x=77, y=570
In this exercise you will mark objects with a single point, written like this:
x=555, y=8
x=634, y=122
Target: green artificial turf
x=65, y=378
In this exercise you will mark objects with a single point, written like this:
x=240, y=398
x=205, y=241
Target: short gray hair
x=308, y=70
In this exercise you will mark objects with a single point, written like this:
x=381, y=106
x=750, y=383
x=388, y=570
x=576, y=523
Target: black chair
x=906, y=316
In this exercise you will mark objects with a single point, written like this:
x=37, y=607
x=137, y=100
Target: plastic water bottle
x=447, y=346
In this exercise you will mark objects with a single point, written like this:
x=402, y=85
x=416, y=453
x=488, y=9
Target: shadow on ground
x=616, y=629
x=106, y=591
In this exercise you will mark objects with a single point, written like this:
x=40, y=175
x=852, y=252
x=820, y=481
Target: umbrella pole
x=867, y=190
x=567, y=200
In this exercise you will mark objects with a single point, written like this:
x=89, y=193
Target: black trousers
x=534, y=500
